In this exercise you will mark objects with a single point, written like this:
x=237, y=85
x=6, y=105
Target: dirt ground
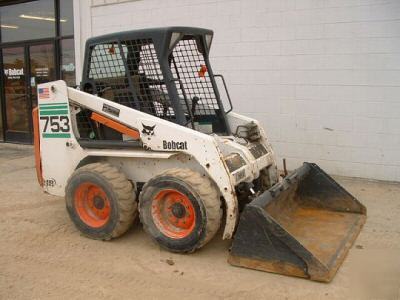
x=43, y=256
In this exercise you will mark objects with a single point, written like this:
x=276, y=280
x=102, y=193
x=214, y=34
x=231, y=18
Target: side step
x=303, y=226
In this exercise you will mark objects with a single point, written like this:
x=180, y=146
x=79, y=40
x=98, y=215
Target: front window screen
x=142, y=75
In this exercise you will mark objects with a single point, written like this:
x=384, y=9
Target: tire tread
x=123, y=189
x=207, y=192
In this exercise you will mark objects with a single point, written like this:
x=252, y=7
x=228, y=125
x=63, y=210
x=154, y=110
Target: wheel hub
x=178, y=210
x=98, y=202
x=173, y=213
x=92, y=204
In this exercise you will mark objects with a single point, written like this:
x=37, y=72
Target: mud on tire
x=100, y=201
x=180, y=209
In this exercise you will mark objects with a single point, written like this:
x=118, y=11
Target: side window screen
x=106, y=61
x=138, y=84
x=147, y=78
x=148, y=63
x=108, y=72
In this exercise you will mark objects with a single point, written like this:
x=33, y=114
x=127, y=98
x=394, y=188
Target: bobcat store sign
x=14, y=73
x=172, y=145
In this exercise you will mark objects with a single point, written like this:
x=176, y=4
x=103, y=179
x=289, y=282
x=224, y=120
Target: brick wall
x=323, y=76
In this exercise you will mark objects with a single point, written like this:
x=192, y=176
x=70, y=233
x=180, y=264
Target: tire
x=100, y=201
x=180, y=209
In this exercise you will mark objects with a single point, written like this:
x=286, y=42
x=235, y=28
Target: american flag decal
x=44, y=93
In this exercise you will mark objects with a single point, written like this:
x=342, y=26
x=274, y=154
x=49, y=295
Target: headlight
x=234, y=161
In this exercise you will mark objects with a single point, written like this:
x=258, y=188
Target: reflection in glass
x=28, y=21
x=68, y=61
x=67, y=17
x=42, y=67
x=15, y=89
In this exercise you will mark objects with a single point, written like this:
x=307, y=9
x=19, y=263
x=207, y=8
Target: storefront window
x=36, y=46
x=68, y=61
x=27, y=21
x=66, y=17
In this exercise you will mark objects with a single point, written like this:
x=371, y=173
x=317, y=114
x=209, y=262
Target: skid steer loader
x=148, y=133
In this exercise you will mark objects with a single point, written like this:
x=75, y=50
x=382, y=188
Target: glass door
x=42, y=67
x=17, y=104
x=24, y=68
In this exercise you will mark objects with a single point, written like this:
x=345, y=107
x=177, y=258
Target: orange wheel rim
x=92, y=205
x=173, y=213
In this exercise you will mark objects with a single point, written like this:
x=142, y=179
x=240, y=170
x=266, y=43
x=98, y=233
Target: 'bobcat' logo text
x=172, y=145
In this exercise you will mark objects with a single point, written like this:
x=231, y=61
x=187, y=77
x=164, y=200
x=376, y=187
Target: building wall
x=323, y=76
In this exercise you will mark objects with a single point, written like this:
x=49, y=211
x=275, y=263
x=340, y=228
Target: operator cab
x=164, y=72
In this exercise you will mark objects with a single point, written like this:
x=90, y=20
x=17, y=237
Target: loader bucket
x=303, y=226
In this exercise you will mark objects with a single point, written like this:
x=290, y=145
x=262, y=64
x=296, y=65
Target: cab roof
x=158, y=34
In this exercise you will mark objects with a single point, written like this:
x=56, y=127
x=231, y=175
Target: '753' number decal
x=56, y=124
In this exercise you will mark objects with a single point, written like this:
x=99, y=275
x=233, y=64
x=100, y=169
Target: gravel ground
x=43, y=256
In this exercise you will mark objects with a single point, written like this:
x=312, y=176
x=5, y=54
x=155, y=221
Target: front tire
x=180, y=209
x=100, y=201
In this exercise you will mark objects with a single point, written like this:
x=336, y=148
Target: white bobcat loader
x=147, y=133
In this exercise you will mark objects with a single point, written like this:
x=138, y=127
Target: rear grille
x=258, y=150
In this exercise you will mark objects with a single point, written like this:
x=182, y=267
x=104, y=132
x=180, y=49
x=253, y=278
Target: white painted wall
x=323, y=76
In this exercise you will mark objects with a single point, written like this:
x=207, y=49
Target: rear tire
x=101, y=201
x=180, y=209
